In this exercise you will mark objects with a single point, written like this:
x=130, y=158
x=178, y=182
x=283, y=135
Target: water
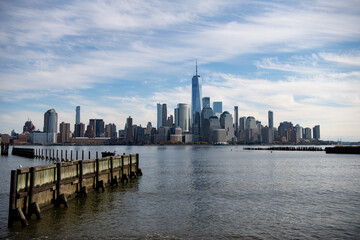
x=207, y=192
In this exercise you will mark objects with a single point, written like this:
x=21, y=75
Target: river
x=206, y=192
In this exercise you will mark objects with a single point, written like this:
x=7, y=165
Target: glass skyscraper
x=77, y=119
x=196, y=97
x=271, y=119
x=50, y=126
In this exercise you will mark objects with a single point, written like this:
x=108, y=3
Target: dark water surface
x=207, y=192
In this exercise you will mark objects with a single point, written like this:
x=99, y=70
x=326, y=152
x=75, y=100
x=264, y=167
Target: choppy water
x=208, y=192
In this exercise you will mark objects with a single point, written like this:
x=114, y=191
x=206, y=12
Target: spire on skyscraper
x=196, y=68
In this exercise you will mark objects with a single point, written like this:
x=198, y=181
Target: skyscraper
x=271, y=119
x=316, y=132
x=164, y=115
x=129, y=137
x=50, y=126
x=98, y=127
x=182, y=116
x=226, y=122
x=242, y=123
x=65, y=132
x=77, y=119
x=205, y=101
x=161, y=115
x=196, y=96
x=236, y=115
x=217, y=108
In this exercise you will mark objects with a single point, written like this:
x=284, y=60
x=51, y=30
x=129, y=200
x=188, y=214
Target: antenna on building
x=196, y=67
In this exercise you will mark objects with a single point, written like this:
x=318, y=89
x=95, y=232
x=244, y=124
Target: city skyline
x=301, y=60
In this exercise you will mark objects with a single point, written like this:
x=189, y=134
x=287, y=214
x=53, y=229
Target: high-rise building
x=307, y=133
x=196, y=97
x=161, y=115
x=316, y=132
x=28, y=127
x=110, y=131
x=236, y=116
x=242, y=123
x=77, y=118
x=299, y=130
x=164, y=115
x=182, y=116
x=206, y=113
x=90, y=131
x=129, y=135
x=205, y=101
x=217, y=108
x=50, y=126
x=65, y=133
x=227, y=123
x=79, y=130
x=270, y=120
x=98, y=126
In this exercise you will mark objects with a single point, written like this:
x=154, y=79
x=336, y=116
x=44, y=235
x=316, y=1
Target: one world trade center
x=196, y=98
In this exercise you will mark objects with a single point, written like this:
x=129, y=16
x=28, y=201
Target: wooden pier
x=35, y=189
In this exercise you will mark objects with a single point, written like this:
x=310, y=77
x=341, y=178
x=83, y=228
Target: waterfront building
x=267, y=135
x=217, y=108
x=177, y=137
x=205, y=101
x=226, y=122
x=65, y=134
x=98, y=127
x=161, y=115
x=50, y=126
x=218, y=136
x=270, y=119
x=77, y=117
x=299, y=130
x=110, y=131
x=182, y=116
x=282, y=129
x=236, y=118
x=37, y=137
x=79, y=130
x=308, y=133
x=28, y=127
x=196, y=97
x=129, y=135
x=89, y=133
x=316, y=132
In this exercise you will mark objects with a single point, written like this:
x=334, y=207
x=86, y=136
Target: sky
x=115, y=59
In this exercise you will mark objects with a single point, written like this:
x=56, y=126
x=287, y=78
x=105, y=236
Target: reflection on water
x=208, y=192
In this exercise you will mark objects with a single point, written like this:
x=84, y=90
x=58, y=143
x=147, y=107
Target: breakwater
x=313, y=149
x=343, y=149
x=35, y=189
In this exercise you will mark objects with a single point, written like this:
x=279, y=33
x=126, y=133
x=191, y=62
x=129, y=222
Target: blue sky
x=119, y=58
